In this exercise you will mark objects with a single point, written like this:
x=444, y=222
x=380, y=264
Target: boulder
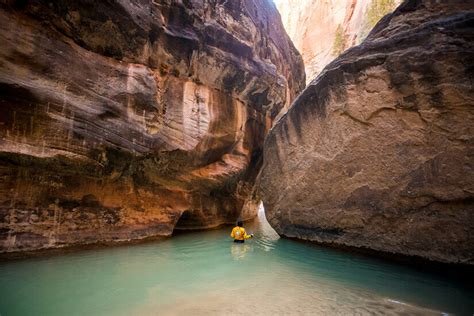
x=378, y=151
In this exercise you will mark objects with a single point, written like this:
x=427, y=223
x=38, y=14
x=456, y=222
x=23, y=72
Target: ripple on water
x=284, y=298
x=206, y=273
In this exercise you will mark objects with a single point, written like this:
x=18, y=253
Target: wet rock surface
x=118, y=117
x=377, y=152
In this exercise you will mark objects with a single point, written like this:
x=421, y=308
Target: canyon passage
x=204, y=273
x=152, y=126
x=122, y=120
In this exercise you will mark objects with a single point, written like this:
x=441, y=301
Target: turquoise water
x=205, y=273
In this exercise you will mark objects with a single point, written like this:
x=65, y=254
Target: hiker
x=239, y=234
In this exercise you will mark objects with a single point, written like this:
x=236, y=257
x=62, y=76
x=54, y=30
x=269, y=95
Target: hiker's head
x=239, y=223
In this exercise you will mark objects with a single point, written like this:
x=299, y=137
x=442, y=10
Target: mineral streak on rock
x=117, y=117
x=378, y=151
x=312, y=25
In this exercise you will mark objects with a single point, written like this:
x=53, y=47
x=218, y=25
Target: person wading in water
x=239, y=234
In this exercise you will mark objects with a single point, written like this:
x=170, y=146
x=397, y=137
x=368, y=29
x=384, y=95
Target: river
x=205, y=273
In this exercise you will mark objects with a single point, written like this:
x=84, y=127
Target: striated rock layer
x=378, y=151
x=312, y=26
x=119, y=118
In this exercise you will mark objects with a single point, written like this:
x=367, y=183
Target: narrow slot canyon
x=211, y=157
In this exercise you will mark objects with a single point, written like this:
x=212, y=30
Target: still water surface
x=204, y=273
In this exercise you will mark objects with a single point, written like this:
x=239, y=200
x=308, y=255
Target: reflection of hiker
x=239, y=252
x=239, y=234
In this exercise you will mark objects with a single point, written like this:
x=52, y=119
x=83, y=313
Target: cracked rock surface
x=117, y=117
x=378, y=151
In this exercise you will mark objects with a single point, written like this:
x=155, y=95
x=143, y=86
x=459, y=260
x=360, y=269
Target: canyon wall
x=313, y=25
x=378, y=151
x=120, y=118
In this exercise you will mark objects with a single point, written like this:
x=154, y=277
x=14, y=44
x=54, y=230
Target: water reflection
x=265, y=237
x=205, y=273
x=239, y=251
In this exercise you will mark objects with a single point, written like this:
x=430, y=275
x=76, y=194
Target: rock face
x=312, y=26
x=378, y=151
x=120, y=118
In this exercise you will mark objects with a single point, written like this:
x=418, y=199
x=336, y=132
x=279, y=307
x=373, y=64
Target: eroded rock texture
x=118, y=117
x=312, y=26
x=378, y=151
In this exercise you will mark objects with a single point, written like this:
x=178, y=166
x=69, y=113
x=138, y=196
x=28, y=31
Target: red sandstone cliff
x=378, y=151
x=117, y=118
x=312, y=25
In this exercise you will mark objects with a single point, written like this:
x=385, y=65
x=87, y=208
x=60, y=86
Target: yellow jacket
x=239, y=233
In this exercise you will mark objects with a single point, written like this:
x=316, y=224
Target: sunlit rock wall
x=312, y=26
x=378, y=151
x=119, y=117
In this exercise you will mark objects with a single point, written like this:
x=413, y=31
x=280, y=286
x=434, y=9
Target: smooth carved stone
x=313, y=24
x=377, y=152
x=119, y=117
